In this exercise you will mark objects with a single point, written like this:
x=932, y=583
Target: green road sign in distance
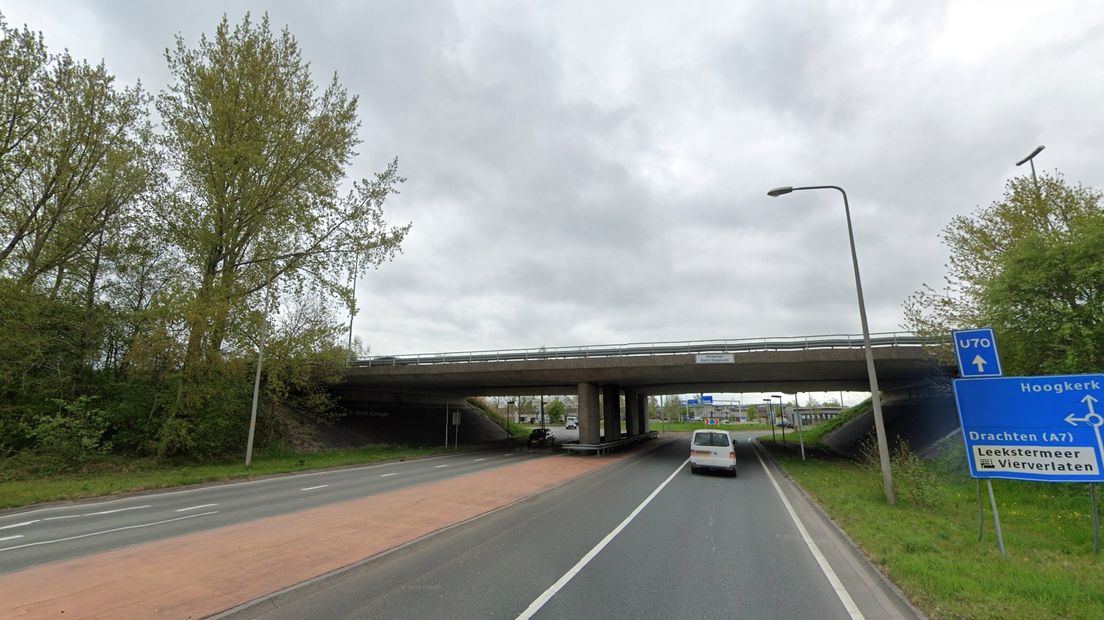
x=1046, y=429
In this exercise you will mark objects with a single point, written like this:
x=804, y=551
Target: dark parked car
x=540, y=437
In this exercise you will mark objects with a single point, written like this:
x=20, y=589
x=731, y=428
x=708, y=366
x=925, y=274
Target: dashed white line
x=8, y=527
x=61, y=517
x=194, y=507
x=439, y=466
x=107, y=512
x=390, y=474
x=477, y=460
x=535, y=606
x=11, y=537
x=321, y=486
x=118, y=529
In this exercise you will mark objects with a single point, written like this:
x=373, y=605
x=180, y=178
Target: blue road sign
x=691, y=401
x=707, y=399
x=976, y=350
x=1033, y=428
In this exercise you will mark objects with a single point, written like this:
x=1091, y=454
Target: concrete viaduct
x=815, y=363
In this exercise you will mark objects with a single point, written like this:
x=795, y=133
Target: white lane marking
x=837, y=585
x=230, y=485
x=477, y=460
x=11, y=537
x=535, y=606
x=194, y=507
x=394, y=473
x=118, y=529
x=107, y=512
x=439, y=466
x=61, y=517
x=321, y=486
x=8, y=527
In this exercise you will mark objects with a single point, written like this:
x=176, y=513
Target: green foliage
x=174, y=438
x=259, y=156
x=752, y=413
x=555, y=411
x=75, y=433
x=912, y=477
x=141, y=274
x=1030, y=266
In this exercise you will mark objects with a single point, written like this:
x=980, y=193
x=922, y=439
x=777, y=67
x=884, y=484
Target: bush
x=174, y=438
x=74, y=434
x=913, y=477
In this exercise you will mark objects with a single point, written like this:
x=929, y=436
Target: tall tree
x=259, y=155
x=1030, y=265
x=74, y=152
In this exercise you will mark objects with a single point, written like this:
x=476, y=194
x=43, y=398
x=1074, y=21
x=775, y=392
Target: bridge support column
x=632, y=412
x=611, y=412
x=642, y=410
x=589, y=426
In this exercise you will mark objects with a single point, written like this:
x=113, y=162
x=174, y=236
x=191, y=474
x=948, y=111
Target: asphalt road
x=704, y=546
x=37, y=536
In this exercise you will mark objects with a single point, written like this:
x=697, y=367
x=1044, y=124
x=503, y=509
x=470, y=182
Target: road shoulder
x=873, y=593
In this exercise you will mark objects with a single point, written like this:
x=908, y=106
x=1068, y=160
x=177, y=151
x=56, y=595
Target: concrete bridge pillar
x=632, y=412
x=589, y=427
x=642, y=410
x=611, y=412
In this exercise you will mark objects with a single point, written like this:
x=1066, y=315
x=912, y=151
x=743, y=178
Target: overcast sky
x=596, y=172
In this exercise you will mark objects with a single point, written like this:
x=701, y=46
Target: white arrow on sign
x=1093, y=419
x=979, y=362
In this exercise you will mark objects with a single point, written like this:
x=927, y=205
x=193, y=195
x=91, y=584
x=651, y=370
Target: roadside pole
x=446, y=424
x=996, y=517
x=981, y=511
x=800, y=424
x=1095, y=518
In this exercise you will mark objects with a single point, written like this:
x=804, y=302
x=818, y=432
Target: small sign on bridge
x=714, y=358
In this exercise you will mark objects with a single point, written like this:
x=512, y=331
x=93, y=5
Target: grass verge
x=686, y=427
x=928, y=544
x=119, y=476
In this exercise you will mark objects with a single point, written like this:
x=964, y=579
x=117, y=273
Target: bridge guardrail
x=610, y=446
x=832, y=341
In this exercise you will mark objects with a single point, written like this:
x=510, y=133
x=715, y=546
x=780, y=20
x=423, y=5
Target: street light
x=352, y=308
x=770, y=416
x=1031, y=160
x=781, y=414
x=879, y=424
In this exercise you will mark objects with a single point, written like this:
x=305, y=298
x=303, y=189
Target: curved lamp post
x=1034, y=180
x=875, y=397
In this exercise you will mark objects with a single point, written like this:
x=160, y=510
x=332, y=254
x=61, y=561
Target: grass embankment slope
x=928, y=543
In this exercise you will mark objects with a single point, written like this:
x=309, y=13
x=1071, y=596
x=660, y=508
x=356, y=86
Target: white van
x=712, y=450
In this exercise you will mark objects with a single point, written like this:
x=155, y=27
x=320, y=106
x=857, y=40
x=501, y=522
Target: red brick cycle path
x=197, y=575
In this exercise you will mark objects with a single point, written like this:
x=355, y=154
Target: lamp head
x=779, y=191
x=1038, y=149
